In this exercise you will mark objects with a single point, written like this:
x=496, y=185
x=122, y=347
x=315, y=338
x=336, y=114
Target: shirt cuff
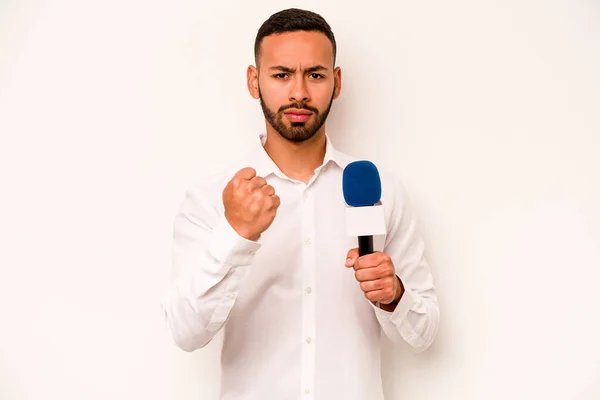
x=406, y=303
x=228, y=247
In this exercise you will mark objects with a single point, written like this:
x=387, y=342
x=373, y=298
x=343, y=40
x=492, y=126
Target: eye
x=281, y=75
x=316, y=76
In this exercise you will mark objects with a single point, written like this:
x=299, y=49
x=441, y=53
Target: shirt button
x=306, y=391
x=307, y=241
x=306, y=195
x=252, y=252
x=308, y=290
x=308, y=340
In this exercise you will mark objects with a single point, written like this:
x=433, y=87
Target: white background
x=488, y=110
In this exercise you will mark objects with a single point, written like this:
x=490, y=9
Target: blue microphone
x=361, y=186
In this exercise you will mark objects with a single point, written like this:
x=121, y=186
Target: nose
x=299, y=91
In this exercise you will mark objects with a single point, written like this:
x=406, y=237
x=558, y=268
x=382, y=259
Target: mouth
x=296, y=115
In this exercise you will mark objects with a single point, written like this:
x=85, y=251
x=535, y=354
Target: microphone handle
x=365, y=245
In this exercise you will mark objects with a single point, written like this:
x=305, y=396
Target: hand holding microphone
x=374, y=270
x=376, y=275
x=250, y=204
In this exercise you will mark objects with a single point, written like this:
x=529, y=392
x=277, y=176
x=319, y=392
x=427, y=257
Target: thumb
x=351, y=257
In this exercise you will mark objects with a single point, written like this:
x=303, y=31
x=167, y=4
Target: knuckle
x=249, y=171
x=373, y=261
x=257, y=181
x=386, y=270
x=358, y=275
x=254, y=207
x=257, y=195
x=384, y=260
x=270, y=202
x=360, y=263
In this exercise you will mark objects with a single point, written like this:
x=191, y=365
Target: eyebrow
x=291, y=70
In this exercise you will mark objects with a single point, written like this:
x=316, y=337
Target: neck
x=296, y=160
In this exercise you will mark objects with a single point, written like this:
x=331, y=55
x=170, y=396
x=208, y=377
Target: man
x=260, y=250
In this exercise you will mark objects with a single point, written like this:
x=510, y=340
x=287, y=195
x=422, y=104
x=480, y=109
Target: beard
x=298, y=131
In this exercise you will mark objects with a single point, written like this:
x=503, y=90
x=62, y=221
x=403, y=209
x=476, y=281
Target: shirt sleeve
x=210, y=262
x=415, y=319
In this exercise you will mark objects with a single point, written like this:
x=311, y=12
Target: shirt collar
x=264, y=165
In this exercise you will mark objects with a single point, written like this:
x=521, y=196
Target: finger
x=246, y=173
x=351, y=257
x=268, y=190
x=378, y=284
x=275, y=201
x=377, y=295
x=369, y=261
x=368, y=274
x=258, y=182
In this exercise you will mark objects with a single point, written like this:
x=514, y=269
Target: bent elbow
x=187, y=339
x=184, y=332
x=429, y=335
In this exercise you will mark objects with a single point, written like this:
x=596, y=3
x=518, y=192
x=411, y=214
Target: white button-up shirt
x=296, y=323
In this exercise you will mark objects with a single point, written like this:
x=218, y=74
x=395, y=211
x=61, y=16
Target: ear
x=337, y=76
x=252, y=78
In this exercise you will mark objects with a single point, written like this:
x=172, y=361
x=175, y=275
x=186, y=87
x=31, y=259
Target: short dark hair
x=292, y=20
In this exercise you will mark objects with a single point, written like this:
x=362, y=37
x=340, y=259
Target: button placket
x=308, y=301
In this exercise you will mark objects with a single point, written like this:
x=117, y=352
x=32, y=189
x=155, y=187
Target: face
x=296, y=83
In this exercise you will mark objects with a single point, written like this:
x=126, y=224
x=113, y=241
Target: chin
x=299, y=138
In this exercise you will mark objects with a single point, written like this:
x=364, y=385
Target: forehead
x=291, y=48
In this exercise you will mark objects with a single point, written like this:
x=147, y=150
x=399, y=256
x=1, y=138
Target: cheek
x=273, y=97
x=322, y=95
x=271, y=89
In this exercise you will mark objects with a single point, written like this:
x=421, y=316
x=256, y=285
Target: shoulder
x=394, y=195
x=392, y=185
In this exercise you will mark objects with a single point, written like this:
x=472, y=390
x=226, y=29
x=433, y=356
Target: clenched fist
x=376, y=275
x=250, y=204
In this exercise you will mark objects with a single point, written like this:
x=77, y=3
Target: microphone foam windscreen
x=361, y=184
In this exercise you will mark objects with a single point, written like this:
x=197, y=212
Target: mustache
x=299, y=106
